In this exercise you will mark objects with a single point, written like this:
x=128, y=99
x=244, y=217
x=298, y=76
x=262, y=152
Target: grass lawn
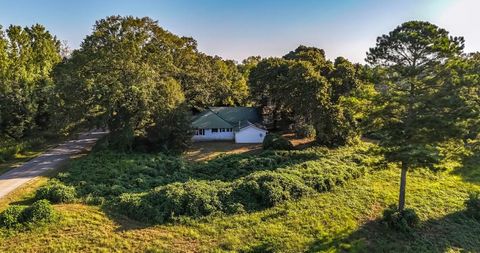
x=345, y=219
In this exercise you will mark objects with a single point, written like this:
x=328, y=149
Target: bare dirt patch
x=203, y=151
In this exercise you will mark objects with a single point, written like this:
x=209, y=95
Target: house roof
x=226, y=117
x=256, y=126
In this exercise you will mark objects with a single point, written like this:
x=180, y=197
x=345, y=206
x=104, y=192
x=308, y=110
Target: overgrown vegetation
x=230, y=184
x=404, y=221
x=306, y=131
x=18, y=217
x=473, y=205
x=276, y=142
x=10, y=149
x=349, y=218
x=56, y=192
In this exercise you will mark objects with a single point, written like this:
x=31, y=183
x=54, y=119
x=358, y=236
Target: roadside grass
x=345, y=219
x=14, y=153
x=25, y=193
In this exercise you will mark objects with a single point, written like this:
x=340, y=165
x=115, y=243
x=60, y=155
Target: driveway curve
x=51, y=159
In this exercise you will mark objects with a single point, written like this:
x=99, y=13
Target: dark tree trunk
x=403, y=184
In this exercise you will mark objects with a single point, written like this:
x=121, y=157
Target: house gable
x=208, y=120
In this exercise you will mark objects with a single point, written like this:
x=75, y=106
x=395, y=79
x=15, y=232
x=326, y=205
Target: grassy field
x=345, y=219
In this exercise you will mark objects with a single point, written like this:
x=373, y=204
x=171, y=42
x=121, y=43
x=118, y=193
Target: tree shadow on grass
x=454, y=231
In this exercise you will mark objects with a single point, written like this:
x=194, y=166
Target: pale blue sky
x=237, y=29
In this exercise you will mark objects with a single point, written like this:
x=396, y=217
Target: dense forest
x=417, y=95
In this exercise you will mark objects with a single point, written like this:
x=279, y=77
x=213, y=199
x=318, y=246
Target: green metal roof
x=226, y=117
x=209, y=119
x=236, y=114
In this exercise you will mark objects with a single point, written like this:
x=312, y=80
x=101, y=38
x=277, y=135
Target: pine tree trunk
x=403, y=184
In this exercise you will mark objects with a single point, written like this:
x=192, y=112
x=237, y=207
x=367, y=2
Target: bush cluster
x=403, y=221
x=110, y=174
x=193, y=198
x=256, y=191
x=473, y=205
x=276, y=142
x=16, y=216
x=201, y=198
x=158, y=188
x=56, y=192
x=306, y=131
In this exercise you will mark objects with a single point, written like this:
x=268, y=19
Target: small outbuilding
x=239, y=124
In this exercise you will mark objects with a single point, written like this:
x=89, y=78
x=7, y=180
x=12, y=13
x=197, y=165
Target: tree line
x=418, y=89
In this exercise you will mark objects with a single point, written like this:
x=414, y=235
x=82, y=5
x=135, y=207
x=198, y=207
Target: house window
x=214, y=130
x=261, y=135
x=199, y=131
x=229, y=130
x=222, y=130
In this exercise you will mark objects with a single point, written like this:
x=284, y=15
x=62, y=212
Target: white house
x=239, y=124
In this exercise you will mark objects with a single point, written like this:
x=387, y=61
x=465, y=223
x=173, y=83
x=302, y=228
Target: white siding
x=218, y=136
x=250, y=134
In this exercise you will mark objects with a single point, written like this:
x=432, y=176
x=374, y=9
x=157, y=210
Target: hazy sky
x=237, y=29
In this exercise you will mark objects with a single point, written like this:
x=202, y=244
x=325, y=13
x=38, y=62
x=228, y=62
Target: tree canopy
x=27, y=57
x=304, y=87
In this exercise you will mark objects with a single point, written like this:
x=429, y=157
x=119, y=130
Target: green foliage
x=16, y=216
x=473, y=205
x=27, y=57
x=344, y=219
x=12, y=216
x=10, y=149
x=268, y=189
x=276, y=142
x=56, y=192
x=40, y=211
x=415, y=99
x=404, y=221
x=110, y=174
x=211, y=81
x=336, y=128
x=409, y=108
x=160, y=188
x=306, y=131
x=192, y=198
x=123, y=77
x=304, y=87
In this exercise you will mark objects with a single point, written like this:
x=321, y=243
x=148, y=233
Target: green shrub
x=193, y=198
x=276, y=142
x=473, y=205
x=268, y=189
x=404, y=221
x=16, y=216
x=306, y=131
x=38, y=212
x=56, y=192
x=158, y=188
x=12, y=216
